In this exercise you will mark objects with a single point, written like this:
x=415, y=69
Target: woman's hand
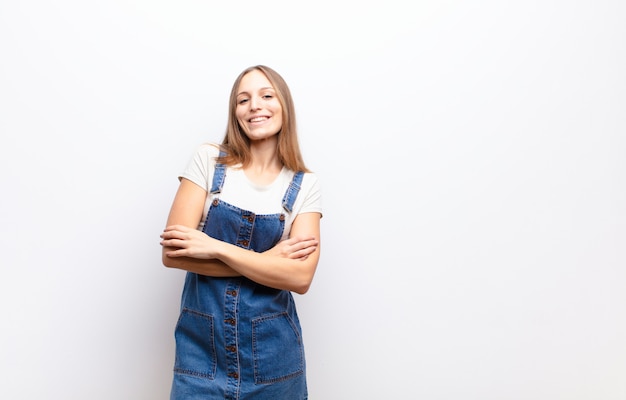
x=187, y=242
x=295, y=248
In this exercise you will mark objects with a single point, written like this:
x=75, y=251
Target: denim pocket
x=195, y=345
x=277, y=348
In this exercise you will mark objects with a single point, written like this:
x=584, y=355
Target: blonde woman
x=245, y=224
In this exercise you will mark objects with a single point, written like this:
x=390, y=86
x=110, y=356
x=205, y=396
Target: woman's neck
x=264, y=166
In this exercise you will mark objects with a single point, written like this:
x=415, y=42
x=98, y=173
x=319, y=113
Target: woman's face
x=258, y=111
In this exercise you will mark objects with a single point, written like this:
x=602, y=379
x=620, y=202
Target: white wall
x=472, y=156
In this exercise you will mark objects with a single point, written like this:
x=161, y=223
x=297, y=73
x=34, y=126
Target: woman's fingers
x=298, y=247
x=301, y=247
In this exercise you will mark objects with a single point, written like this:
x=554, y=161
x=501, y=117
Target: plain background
x=472, y=157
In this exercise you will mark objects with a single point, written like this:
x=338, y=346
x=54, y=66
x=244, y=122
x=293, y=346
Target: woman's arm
x=187, y=210
x=289, y=266
x=186, y=213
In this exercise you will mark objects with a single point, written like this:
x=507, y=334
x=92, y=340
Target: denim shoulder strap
x=218, y=176
x=292, y=191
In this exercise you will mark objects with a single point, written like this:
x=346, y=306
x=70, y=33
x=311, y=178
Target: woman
x=245, y=224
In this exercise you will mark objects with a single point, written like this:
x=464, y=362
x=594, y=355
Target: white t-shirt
x=240, y=192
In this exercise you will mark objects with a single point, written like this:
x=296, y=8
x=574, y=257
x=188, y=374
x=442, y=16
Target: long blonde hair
x=236, y=144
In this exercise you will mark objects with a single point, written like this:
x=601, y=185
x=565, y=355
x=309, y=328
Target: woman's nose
x=254, y=103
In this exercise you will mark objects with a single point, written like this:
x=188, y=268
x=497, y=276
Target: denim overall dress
x=237, y=339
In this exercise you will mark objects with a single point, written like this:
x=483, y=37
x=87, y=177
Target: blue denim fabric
x=236, y=339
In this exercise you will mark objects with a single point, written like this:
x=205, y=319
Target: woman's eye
x=242, y=101
x=267, y=96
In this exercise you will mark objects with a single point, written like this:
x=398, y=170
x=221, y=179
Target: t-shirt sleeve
x=313, y=198
x=199, y=170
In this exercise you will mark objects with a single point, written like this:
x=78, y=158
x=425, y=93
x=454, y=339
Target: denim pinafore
x=237, y=339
